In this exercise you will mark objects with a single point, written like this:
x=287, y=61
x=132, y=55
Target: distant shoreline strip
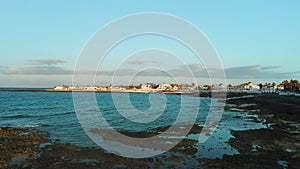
x=49, y=90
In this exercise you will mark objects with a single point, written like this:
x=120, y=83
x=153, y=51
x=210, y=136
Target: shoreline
x=199, y=94
x=277, y=146
x=24, y=148
x=228, y=94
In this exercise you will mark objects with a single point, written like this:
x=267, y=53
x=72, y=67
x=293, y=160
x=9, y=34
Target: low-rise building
x=58, y=88
x=164, y=86
x=269, y=89
x=147, y=86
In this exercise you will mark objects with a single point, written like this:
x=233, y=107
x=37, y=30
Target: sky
x=41, y=40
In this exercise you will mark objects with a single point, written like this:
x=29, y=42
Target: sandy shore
x=277, y=146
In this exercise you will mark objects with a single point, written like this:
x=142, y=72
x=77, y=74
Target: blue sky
x=248, y=36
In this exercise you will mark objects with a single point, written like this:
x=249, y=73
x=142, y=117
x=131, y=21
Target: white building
x=147, y=86
x=175, y=87
x=280, y=87
x=269, y=89
x=164, y=86
x=90, y=88
x=117, y=88
x=249, y=85
x=58, y=88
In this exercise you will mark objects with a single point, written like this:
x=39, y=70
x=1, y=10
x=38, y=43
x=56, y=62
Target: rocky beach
x=277, y=146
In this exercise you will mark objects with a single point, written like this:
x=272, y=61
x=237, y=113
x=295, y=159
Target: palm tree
x=260, y=86
x=291, y=85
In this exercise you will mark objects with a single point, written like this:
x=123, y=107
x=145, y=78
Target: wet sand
x=277, y=146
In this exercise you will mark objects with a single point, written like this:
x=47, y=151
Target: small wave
x=55, y=114
x=241, y=97
x=24, y=126
x=66, y=113
x=16, y=117
x=31, y=125
x=35, y=116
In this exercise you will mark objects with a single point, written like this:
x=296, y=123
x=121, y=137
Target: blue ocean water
x=54, y=112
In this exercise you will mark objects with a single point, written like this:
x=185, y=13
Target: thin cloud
x=270, y=67
x=135, y=62
x=38, y=67
x=241, y=72
x=36, y=70
x=257, y=72
x=47, y=61
x=139, y=62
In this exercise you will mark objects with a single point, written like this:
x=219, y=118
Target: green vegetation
x=291, y=85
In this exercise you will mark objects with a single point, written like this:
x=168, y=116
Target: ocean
x=54, y=113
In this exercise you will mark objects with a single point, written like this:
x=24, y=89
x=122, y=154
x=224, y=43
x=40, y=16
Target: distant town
x=287, y=87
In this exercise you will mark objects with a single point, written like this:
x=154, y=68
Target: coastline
x=277, y=146
x=22, y=148
x=274, y=147
x=199, y=94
